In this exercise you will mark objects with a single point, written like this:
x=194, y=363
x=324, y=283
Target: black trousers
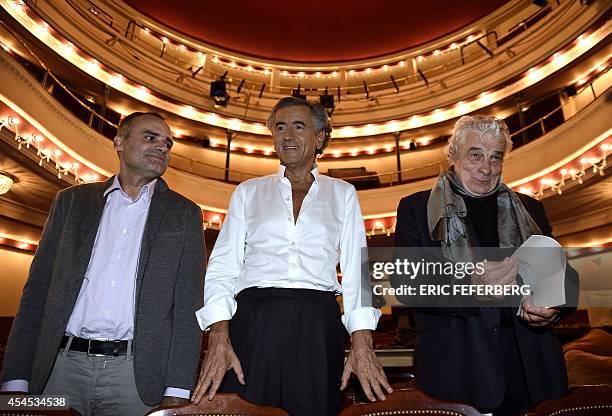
x=290, y=343
x=516, y=398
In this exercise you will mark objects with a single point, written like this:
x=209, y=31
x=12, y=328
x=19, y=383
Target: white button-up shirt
x=261, y=245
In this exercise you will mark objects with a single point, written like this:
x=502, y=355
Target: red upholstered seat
x=223, y=404
x=406, y=400
x=581, y=401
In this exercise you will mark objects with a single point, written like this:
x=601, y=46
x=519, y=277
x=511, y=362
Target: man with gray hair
x=271, y=285
x=488, y=356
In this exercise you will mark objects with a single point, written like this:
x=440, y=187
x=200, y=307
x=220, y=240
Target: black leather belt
x=96, y=347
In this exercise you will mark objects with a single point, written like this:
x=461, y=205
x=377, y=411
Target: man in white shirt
x=106, y=316
x=271, y=283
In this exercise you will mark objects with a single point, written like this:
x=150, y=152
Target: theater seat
x=405, y=400
x=224, y=404
x=593, y=400
x=589, y=359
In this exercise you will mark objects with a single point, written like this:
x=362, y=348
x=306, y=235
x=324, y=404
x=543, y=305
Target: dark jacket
x=169, y=289
x=458, y=351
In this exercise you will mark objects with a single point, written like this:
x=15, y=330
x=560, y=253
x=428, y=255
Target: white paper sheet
x=542, y=267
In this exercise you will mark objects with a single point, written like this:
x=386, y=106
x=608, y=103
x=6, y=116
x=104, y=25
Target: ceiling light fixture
x=6, y=181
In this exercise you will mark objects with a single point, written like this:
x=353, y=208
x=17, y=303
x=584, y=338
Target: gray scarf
x=446, y=213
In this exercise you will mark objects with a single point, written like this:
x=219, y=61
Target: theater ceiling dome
x=316, y=31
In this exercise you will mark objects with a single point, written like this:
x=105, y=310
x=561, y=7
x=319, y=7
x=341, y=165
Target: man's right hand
x=220, y=357
x=497, y=273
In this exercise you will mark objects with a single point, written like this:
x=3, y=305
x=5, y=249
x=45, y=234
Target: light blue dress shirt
x=106, y=303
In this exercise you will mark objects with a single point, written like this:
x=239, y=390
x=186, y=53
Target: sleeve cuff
x=361, y=318
x=221, y=310
x=15, y=385
x=176, y=392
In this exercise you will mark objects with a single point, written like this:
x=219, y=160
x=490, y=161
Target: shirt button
x=287, y=199
x=293, y=243
x=289, y=219
x=124, y=231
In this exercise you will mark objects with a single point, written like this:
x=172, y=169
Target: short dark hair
x=319, y=117
x=123, y=129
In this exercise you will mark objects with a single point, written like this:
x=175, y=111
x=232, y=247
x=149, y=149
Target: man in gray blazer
x=107, y=318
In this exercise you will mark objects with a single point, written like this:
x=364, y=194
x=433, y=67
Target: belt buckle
x=116, y=348
x=89, y=354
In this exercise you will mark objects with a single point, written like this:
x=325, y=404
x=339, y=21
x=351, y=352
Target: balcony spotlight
x=218, y=91
x=327, y=101
x=297, y=93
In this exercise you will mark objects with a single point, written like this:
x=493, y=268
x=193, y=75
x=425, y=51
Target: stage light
x=297, y=93
x=218, y=91
x=327, y=101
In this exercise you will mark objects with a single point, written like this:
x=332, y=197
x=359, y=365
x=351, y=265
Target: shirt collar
x=314, y=171
x=147, y=189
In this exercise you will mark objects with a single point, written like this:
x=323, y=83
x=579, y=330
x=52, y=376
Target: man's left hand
x=536, y=315
x=170, y=401
x=363, y=362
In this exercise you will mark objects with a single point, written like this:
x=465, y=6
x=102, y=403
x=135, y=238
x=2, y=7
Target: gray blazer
x=169, y=289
